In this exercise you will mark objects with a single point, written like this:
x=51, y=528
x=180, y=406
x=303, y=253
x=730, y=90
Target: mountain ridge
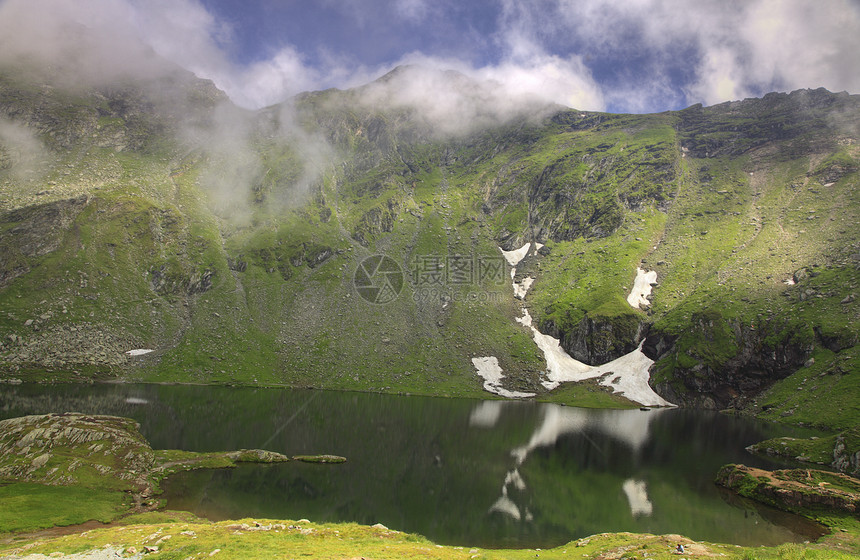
x=227, y=242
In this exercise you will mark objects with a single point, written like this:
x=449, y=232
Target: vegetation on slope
x=229, y=245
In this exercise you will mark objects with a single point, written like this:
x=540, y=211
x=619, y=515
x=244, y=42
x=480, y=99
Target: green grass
x=822, y=394
x=28, y=507
x=817, y=450
x=586, y=394
x=592, y=278
x=265, y=538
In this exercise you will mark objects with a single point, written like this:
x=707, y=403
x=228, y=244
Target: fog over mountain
x=221, y=214
x=645, y=56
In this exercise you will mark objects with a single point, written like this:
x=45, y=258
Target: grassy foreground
x=60, y=471
x=180, y=535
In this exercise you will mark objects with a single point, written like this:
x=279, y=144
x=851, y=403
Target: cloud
x=797, y=44
x=184, y=32
x=22, y=155
x=456, y=98
x=707, y=51
x=269, y=81
x=565, y=81
x=92, y=42
x=633, y=55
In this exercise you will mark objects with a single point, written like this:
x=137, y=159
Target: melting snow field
x=638, y=297
x=138, y=352
x=627, y=375
x=522, y=288
x=514, y=257
x=560, y=366
x=489, y=368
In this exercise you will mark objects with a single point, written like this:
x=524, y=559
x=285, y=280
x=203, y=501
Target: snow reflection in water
x=630, y=427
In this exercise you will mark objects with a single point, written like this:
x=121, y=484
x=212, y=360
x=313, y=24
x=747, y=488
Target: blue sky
x=615, y=55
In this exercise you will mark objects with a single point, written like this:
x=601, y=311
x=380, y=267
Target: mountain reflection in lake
x=481, y=473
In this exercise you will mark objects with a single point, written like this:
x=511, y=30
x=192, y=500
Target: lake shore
x=248, y=538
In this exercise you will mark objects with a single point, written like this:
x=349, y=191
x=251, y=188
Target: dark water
x=481, y=473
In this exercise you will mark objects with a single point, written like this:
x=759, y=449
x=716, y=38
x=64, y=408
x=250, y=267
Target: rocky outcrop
x=165, y=280
x=59, y=346
x=839, y=451
x=34, y=231
x=736, y=127
x=375, y=221
x=798, y=490
x=256, y=456
x=67, y=449
x=752, y=360
x=596, y=340
x=846, y=457
x=127, y=117
x=320, y=458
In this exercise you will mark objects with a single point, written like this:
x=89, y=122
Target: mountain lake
x=462, y=472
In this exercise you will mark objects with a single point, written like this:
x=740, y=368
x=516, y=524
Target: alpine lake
x=492, y=473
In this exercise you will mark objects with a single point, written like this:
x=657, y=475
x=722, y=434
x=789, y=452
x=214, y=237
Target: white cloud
x=782, y=45
x=21, y=152
x=270, y=81
x=87, y=42
x=706, y=51
x=735, y=49
x=184, y=32
x=803, y=44
x=566, y=81
x=455, y=97
x=100, y=41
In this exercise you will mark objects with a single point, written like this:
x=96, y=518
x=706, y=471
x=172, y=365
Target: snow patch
x=560, y=366
x=638, y=297
x=627, y=375
x=522, y=288
x=514, y=257
x=139, y=352
x=490, y=370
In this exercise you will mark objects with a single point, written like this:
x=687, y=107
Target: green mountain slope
x=234, y=244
